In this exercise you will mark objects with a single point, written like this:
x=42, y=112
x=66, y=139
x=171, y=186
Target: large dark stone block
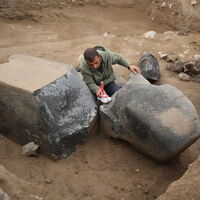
x=57, y=116
x=150, y=67
x=159, y=121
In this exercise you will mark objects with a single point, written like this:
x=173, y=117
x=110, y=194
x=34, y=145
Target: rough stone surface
x=120, y=81
x=3, y=195
x=188, y=71
x=157, y=120
x=149, y=66
x=57, y=116
x=192, y=67
x=68, y=108
x=177, y=67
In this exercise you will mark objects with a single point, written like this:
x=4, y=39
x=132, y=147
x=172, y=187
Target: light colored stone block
x=30, y=73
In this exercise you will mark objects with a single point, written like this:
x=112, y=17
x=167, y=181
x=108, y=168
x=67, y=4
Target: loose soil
x=103, y=168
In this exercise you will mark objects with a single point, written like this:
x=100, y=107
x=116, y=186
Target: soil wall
x=180, y=14
x=187, y=187
x=183, y=15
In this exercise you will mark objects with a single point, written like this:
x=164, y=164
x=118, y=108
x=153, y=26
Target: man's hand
x=99, y=93
x=135, y=69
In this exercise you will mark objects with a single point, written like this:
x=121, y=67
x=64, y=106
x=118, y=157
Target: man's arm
x=117, y=59
x=88, y=79
x=134, y=69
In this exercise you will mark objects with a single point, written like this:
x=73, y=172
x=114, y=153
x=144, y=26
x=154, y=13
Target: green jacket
x=93, y=77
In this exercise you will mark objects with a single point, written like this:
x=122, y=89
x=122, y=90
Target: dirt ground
x=103, y=168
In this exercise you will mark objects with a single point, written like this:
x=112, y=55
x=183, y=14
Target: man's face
x=95, y=64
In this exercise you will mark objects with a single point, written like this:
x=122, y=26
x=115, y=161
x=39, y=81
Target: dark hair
x=90, y=53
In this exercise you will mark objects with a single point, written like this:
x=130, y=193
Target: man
x=96, y=67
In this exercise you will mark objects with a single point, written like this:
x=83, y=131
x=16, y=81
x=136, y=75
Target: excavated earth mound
x=180, y=14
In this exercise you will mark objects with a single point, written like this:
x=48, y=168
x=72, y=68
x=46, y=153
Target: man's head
x=92, y=58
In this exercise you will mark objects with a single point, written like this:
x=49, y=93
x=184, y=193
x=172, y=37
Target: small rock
x=182, y=34
x=101, y=3
x=30, y=149
x=176, y=67
x=170, y=67
x=163, y=56
x=193, y=2
x=186, y=51
x=48, y=181
x=3, y=195
x=184, y=76
x=192, y=68
x=1, y=137
x=149, y=34
x=167, y=39
x=146, y=191
x=170, y=33
x=164, y=5
x=106, y=34
x=171, y=58
x=137, y=170
x=36, y=19
x=36, y=197
x=115, y=187
x=20, y=15
x=170, y=5
x=139, y=186
x=197, y=57
x=197, y=78
x=130, y=190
